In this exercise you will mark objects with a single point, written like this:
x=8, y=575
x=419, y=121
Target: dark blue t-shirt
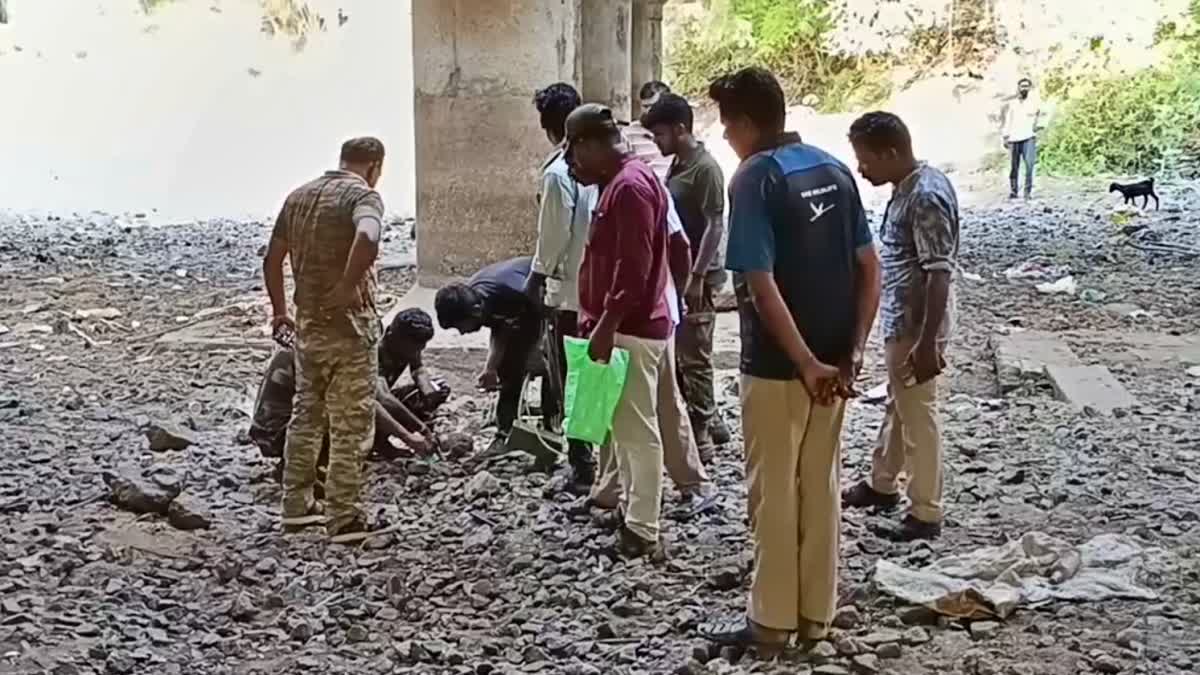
x=501, y=285
x=795, y=211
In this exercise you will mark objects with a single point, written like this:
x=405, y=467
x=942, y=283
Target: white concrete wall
x=105, y=108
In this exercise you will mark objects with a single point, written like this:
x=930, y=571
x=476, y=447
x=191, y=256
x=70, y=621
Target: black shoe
x=611, y=519
x=630, y=545
x=1013, y=195
x=497, y=448
x=358, y=530
x=583, y=475
x=742, y=633
x=911, y=529
x=863, y=496
x=719, y=430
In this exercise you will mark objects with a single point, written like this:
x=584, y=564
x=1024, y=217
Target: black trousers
x=522, y=357
x=562, y=324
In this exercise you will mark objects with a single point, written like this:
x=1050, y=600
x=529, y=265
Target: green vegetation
x=1141, y=123
x=787, y=36
x=1144, y=122
x=1108, y=120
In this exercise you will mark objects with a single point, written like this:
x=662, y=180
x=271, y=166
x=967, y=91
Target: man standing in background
x=640, y=139
x=919, y=240
x=1021, y=123
x=329, y=228
x=565, y=212
x=698, y=188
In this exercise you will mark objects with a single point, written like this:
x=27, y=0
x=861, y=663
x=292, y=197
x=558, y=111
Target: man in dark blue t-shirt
x=495, y=298
x=807, y=289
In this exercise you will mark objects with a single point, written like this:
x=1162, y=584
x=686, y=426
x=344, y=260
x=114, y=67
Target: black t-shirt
x=502, y=287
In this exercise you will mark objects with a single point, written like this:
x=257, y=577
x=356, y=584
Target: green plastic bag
x=592, y=391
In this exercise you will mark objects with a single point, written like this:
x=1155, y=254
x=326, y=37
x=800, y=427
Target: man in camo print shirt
x=919, y=250
x=329, y=229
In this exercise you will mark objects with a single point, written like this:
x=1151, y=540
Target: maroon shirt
x=627, y=255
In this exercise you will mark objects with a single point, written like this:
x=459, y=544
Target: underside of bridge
x=478, y=144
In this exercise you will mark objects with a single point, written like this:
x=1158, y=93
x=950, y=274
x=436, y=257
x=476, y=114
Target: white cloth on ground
x=1035, y=569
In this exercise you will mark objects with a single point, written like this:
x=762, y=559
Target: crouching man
x=399, y=350
x=495, y=299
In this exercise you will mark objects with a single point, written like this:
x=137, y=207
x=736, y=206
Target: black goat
x=1143, y=189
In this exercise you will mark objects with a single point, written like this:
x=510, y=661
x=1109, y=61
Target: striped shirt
x=641, y=143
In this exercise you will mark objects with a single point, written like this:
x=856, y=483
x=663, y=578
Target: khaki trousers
x=681, y=457
x=910, y=440
x=636, y=440
x=793, y=474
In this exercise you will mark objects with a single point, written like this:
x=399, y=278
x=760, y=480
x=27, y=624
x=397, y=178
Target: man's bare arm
x=714, y=232
x=277, y=252
x=868, y=281
x=424, y=381
x=495, y=352
x=400, y=412
x=937, y=294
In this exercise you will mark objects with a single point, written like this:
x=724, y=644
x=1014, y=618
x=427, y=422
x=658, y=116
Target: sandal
x=313, y=515
x=360, y=529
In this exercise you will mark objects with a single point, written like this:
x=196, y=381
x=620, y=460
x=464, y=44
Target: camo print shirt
x=919, y=235
x=317, y=221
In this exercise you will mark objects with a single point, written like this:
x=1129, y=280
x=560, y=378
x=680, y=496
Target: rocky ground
x=489, y=574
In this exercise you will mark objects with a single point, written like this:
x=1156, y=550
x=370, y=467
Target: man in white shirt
x=565, y=213
x=1022, y=121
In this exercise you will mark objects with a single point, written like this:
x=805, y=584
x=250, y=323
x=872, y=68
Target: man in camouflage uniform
x=329, y=228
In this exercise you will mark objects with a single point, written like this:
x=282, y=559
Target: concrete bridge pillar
x=607, y=56
x=646, y=45
x=478, y=146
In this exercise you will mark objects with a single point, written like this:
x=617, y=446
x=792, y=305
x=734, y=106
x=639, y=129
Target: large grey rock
x=163, y=437
x=187, y=513
x=137, y=494
x=482, y=484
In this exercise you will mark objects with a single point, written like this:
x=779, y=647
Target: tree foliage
x=790, y=37
x=1143, y=122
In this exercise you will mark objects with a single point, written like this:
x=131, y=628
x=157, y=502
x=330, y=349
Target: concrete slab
x=1022, y=357
x=1145, y=348
x=1089, y=388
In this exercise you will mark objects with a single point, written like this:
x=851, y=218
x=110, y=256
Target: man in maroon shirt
x=623, y=303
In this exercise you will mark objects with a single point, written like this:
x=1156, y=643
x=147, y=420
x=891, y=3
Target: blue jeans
x=1027, y=150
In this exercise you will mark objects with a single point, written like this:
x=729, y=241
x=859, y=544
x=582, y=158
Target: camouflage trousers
x=335, y=392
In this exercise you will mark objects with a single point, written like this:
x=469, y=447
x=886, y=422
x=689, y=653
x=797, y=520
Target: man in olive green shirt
x=697, y=186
